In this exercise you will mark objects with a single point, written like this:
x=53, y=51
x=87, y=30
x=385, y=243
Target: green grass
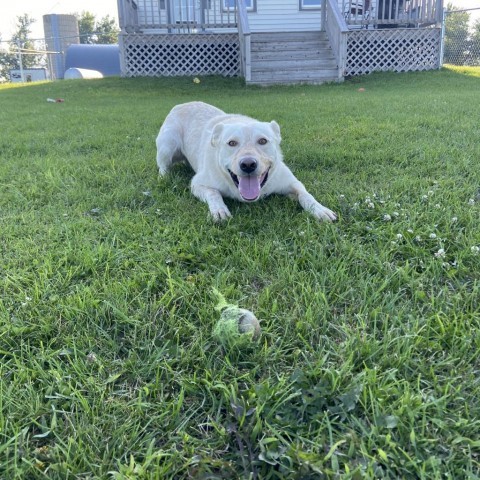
x=368, y=365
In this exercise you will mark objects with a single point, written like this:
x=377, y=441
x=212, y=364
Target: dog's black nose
x=248, y=164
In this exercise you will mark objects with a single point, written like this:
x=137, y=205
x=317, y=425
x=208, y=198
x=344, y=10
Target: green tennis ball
x=236, y=327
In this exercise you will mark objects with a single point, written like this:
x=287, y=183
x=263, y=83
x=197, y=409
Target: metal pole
x=442, y=40
x=20, y=60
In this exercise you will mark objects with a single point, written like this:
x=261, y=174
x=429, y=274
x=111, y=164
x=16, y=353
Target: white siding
x=283, y=16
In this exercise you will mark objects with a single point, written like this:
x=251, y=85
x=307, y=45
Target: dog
x=232, y=155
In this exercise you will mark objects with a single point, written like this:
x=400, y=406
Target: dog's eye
x=262, y=141
x=233, y=143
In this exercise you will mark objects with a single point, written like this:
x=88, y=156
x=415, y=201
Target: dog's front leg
x=214, y=200
x=308, y=202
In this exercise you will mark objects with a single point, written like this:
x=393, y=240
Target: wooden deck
x=205, y=38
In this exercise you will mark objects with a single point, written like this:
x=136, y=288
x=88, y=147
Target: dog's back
x=182, y=130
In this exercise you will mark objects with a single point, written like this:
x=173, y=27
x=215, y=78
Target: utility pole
x=20, y=60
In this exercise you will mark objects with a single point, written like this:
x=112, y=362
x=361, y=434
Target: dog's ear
x=217, y=131
x=276, y=130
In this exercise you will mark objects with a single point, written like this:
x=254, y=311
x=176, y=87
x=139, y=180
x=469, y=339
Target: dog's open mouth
x=249, y=186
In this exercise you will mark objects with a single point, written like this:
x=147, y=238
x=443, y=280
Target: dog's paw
x=322, y=213
x=220, y=214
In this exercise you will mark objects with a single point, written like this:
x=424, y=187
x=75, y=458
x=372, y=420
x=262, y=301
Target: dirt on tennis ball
x=237, y=327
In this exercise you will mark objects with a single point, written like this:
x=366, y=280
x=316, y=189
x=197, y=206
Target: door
x=186, y=14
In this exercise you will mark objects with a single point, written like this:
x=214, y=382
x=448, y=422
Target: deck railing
x=191, y=16
x=179, y=16
x=127, y=15
x=391, y=13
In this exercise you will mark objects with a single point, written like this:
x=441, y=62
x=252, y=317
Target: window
x=230, y=5
x=310, y=4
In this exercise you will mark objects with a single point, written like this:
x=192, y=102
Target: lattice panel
x=399, y=50
x=181, y=54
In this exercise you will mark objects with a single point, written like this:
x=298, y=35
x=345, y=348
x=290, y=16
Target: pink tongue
x=249, y=187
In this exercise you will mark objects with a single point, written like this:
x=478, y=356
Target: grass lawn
x=368, y=364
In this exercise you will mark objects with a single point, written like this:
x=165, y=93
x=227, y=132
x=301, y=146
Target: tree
x=93, y=31
x=20, y=39
x=86, y=27
x=475, y=43
x=107, y=30
x=456, y=36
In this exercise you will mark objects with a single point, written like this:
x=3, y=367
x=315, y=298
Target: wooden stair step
x=282, y=46
x=292, y=57
x=288, y=36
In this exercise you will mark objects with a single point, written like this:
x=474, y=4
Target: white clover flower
x=471, y=201
x=475, y=250
x=387, y=217
x=91, y=358
x=424, y=197
x=399, y=236
x=356, y=205
x=409, y=230
x=27, y=299
x=454, y=219
x=368, y=200
x=370, y=205
x=395, y=214
x=418, y=238
x=440, y=253
x=342, y=197
x=432, y=236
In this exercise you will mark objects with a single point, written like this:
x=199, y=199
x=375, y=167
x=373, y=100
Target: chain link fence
x=461, y=37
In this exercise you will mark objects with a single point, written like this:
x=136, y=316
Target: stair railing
x=244, y=35
x=335, y=26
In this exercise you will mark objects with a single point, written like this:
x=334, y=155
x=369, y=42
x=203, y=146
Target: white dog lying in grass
x=232, y=156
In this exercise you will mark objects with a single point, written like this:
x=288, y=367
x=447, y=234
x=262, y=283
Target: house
x=268, y=41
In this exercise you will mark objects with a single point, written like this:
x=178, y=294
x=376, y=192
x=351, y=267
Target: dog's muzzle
x=250, y=185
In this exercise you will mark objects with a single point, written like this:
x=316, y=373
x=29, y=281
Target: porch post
x=121, y=14
x=324, y=15
x=442, y=39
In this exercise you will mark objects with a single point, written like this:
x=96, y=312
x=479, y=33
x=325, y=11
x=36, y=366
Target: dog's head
x=247, y=151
